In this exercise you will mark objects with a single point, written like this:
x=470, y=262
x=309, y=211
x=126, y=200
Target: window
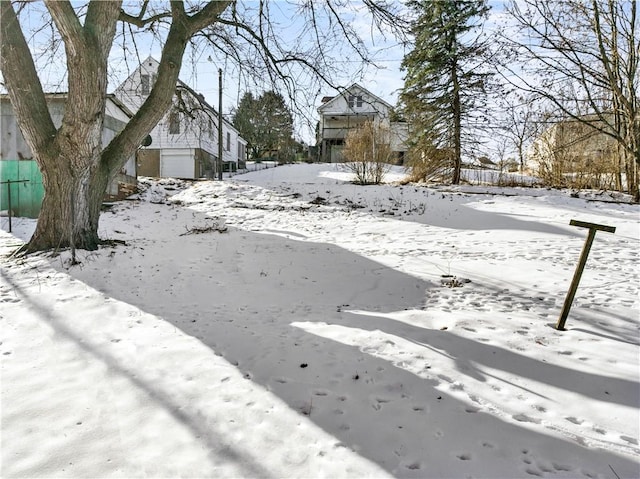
x=242, y=151
x=355, y=101
x=174, y=123
x=144, y=84
x=228, y=145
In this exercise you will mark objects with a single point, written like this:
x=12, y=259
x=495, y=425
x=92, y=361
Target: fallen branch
x=196, y=230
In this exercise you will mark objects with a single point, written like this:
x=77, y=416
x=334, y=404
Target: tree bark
x=71, y=206
x=457, y=128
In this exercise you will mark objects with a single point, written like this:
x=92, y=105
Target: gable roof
x=151, y=62
x=355, y=88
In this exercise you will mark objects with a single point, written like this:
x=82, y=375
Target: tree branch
x=207, y=16
x=22, y=82
x=100, y=23
x=140, y=21
x=68, y=24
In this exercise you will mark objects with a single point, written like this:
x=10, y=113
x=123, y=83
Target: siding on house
x=572, y=143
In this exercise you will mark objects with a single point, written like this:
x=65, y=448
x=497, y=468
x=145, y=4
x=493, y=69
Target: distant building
x=184, y=144
x=574, y=150
x=350, y=109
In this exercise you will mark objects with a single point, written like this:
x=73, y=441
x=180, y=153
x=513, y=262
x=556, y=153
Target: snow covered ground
x=287, y=323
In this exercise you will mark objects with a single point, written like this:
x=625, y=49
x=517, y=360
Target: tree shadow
x=458, y=215
x=239, y=294
x=592, y=317
x=213, y=439
x=596, y=386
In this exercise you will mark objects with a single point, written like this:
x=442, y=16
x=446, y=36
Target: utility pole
x=220, y=124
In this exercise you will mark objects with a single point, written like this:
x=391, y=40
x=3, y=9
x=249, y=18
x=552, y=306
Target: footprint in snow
x=574, y=420
x=629, y=439
x=561, y=467
x=525, y=418
x=533, y=472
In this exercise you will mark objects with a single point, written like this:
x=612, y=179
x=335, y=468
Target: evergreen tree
x=266, y=123
x=244, y=121
x=443, y=86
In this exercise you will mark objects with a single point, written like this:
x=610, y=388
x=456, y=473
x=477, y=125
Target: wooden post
x=9, y=202
x=593, y=227
x=8, y=183
x=220, y=121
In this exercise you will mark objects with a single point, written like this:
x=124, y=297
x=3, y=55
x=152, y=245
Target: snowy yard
x=287, y=323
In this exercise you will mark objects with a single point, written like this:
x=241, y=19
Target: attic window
x=144, y=84
x=355, y=101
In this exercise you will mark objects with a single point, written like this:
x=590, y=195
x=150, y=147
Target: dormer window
x=355, y=101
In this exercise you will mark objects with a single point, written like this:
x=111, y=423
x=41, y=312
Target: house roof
x=355, y=88
x=63, y=95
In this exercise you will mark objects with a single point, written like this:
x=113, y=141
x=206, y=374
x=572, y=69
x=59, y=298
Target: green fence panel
x=26, y=198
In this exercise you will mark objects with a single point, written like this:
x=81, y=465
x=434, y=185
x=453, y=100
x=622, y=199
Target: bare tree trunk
x=457, y=128
x=71, y=206
x=633, y=182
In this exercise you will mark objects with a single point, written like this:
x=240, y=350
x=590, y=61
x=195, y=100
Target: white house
x=351, y=108
x=572, y=152
x=184, y=144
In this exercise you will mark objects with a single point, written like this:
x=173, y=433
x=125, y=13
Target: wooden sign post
x=593, y=227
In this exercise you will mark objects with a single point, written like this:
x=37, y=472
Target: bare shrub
x=430, y=164
x=368, y=153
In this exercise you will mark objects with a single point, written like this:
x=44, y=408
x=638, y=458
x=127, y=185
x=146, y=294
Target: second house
x=184, y=144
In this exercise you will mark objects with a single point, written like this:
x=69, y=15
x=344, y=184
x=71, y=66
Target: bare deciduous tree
x=582, y=57
x=519, y=125
x=75, y=165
